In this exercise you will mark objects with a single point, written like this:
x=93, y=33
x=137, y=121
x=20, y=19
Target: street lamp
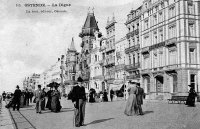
x=124, y=86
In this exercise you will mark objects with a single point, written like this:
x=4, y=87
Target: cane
x=74, y=117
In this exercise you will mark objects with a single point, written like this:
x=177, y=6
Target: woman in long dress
x=131, y=104
x=43, y=100
x=191, y=97
x=48, y=105
x=55, y=102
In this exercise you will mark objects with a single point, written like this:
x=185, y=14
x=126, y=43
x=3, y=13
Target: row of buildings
x=158, y=46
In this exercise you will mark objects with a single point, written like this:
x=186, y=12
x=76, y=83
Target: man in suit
x=79, y=99
x=139, y=97
x=38, y=98
x=16, y=98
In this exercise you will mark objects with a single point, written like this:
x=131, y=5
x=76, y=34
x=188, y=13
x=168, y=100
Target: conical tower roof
x=90, y=21
x=72, y=47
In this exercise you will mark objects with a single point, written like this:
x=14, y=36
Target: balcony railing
x=109, y=76
x=72, y=71
x=110, y=48
x=132, y=33
x=119, y=67
x=132, y=66
x=109, y=61
x=132, y=48
x=133, y=76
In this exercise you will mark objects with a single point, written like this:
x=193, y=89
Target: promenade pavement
x=110, y=115
x=5, y=118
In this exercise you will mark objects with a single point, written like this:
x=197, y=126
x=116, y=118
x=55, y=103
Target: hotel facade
x=170, y=51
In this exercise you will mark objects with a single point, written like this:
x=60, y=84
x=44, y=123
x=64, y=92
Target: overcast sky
x=31, y=43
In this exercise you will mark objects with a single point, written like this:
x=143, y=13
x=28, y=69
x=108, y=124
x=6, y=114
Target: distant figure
x=22, y=98
x=38, y=98
x=4, y=95
x=131, y=104
x=16, y=98
x=105, y=96
x=79, y=100
x=191, y=97
x=26, y=98
x=30, y=96
x=140, y=95
x=111, y=94
x=92, y=96
x=55, y=102
x=48, y=105
x=43, y=100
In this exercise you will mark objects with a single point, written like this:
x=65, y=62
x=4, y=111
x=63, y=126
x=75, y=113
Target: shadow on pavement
x=99, y=121
x=147, y=112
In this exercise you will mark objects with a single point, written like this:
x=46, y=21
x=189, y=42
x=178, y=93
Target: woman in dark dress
x=92, y=96
x=55, y=103
x=105, y=96
x=48, y=105
x=43, y=100
x=191, y=97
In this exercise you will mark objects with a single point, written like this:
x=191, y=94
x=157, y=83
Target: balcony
x=72, y=71
x=110, y=76
x=132, y=67
x=102, y=48
x=101, y=62
x=109, y=61
x=119, y=67
x=110, y=48
x=100, y=77
x=132, y=48
x=133, y=76
x=171, y=42
x=130, y=34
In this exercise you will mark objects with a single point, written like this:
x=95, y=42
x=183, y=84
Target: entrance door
x=159, y=84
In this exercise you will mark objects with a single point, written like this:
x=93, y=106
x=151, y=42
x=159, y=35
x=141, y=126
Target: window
x=155, y=38
x=133, y=59
x=146, y=24
x=160, y=56
x=175, y=87
x=155, y=59
x=172, y=31
x=191, y=29
x=148, y=84
x=146, y=61
x=192, y=79
x=155, y=19
x=190, y=9
x=172, y=57
x=161, y=36
x=160, y=17
x=192, y=56
x=172, y=12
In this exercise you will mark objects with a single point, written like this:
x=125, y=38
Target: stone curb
x=6, y=121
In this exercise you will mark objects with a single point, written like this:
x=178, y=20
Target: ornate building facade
x=87, y=35
x=170, y=41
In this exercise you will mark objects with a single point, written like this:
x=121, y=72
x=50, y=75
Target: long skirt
x=190, y=100
x=48, y=105
x=22, y=101
x=43, y=104
x=131, y=106
x=55, y=104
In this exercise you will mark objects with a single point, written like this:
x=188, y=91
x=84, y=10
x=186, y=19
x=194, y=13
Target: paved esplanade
x=109, y=115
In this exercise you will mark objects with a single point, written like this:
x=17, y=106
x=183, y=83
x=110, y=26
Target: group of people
x=103, y=96
x=53, y=102
x=135, y=100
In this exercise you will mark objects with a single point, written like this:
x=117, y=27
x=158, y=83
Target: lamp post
x=124, y=86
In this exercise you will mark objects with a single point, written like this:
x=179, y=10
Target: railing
x=133, y=76
x=109, y=61
x=110, y=48
x=132, y=48
x=119, y=67
x=132, y=66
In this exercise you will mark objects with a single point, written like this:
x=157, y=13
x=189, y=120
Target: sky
x=32, y=42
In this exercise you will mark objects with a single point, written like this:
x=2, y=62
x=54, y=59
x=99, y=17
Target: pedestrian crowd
x=79, y=98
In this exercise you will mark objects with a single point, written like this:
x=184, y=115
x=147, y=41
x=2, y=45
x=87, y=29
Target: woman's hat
x=79, y=79
x=191, y=85
x=17, y=86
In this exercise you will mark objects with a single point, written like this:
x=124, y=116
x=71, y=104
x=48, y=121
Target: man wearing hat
x=79, y=100
x=38, y=98
x=139, y=97
x=16, y=98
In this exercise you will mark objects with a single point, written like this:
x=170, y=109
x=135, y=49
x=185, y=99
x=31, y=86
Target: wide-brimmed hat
x=191, y=85
x=79, y=79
